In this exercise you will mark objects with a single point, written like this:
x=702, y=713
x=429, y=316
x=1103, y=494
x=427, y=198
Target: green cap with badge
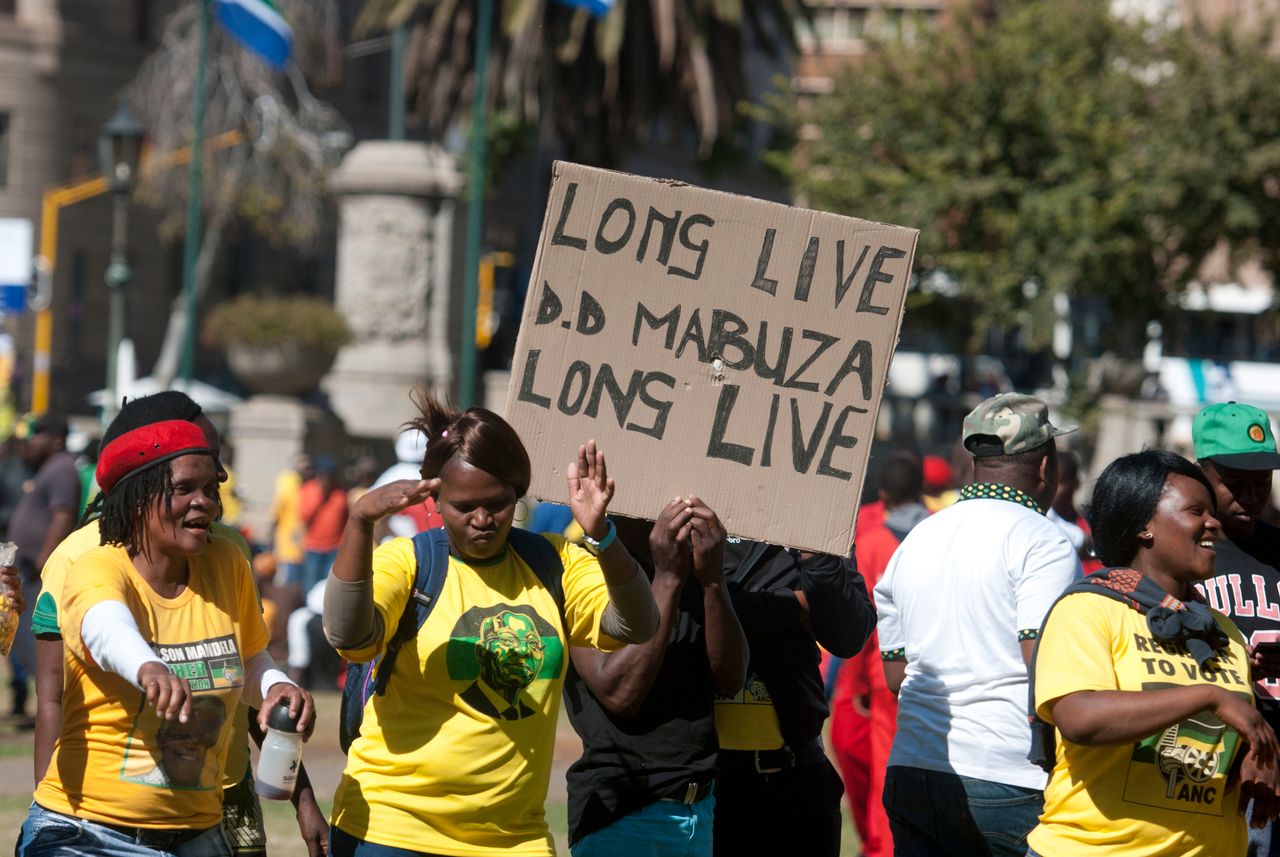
x=1235, y=435
x=1008, y=424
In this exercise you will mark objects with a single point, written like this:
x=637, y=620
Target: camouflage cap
x=1008, y=424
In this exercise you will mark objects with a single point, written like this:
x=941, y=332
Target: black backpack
x=431, y=552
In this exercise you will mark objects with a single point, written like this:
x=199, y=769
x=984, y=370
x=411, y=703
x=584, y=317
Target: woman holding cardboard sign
x=453, y=754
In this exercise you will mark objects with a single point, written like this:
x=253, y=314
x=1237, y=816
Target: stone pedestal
x=270, y=433
x=394, y=270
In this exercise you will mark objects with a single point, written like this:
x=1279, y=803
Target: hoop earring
x=522, y=510
x=1145, y=534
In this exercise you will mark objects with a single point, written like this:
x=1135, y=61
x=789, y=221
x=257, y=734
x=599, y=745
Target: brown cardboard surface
x=713, y=345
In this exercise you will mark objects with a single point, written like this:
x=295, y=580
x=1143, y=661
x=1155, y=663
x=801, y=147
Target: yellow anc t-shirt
x=116, y=761
x=1164, y=795
x=284, y=510
x=44, y=619
x=455, y=758
x=747, y=720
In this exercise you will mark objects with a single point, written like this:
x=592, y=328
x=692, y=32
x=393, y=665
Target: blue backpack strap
x=431, y=554
x=431, y=558
x=1044, y=739
x=544, y=560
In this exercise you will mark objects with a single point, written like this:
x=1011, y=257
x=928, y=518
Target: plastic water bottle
x=281, y=755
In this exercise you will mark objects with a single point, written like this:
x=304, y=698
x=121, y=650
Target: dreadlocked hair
x=92, y=509
x=123, y=512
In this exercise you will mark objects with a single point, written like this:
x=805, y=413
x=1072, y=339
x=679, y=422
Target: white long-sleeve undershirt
x=112, y=638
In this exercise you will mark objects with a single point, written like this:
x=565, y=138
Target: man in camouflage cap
x=1008, y=424
x=961, y=603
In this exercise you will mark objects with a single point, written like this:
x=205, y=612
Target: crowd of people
x=1003, y=674
x=1056, y=683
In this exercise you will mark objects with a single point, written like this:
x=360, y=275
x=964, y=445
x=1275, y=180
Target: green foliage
x=506, y=139
x=1054, y=144
x=258, y=320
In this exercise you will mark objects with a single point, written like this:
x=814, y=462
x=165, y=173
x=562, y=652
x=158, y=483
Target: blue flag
x=259, y=26
x=598, y=8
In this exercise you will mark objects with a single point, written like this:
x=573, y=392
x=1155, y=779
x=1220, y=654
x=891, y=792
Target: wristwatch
x=596, y=546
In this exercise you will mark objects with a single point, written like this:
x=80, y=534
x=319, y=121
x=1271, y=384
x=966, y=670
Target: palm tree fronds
x=645, y=59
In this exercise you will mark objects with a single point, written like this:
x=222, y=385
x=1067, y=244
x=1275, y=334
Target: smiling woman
x=1147, y=689
x=181, y=526
x=163, y=637
x=147, y=509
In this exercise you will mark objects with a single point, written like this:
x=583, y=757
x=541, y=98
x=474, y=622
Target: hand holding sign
x=590, y=490
x=707, y=538
x=669, y=541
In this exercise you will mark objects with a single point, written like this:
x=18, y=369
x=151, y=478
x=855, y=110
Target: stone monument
x=395, y=245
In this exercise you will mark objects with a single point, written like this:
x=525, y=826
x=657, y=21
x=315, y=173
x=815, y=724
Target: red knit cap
x=146, y=446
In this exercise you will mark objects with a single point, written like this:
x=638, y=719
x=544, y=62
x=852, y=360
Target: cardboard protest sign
x=713, y=345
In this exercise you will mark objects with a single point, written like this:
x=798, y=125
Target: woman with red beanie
x=163, y=637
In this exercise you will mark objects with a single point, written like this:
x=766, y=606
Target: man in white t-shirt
x=959, y=607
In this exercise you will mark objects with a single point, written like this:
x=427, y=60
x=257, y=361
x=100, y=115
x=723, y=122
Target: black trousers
x=792, y=812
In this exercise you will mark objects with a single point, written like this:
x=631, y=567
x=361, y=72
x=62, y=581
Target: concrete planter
x=280, y=369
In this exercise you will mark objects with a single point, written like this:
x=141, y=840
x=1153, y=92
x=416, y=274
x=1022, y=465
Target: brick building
x=61, y=67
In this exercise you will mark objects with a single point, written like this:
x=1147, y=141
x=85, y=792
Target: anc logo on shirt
x=1190, y=759
x=502, y=650
x=752, y=692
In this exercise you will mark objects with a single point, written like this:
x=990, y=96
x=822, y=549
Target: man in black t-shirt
x=1236, y=450
x=778, y=794
x=646, y=779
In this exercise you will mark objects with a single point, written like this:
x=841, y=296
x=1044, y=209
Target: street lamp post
x=119, y=150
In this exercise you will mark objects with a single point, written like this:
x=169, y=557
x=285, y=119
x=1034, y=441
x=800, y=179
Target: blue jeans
x=1261, y=842
x=343, y=844
x=939, y=813
x=664, y=828
x=51, y=834
x=22, y=656
x=315, y=568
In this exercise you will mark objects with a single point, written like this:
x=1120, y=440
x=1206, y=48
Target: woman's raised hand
x=393, y=498
x=590, y=490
